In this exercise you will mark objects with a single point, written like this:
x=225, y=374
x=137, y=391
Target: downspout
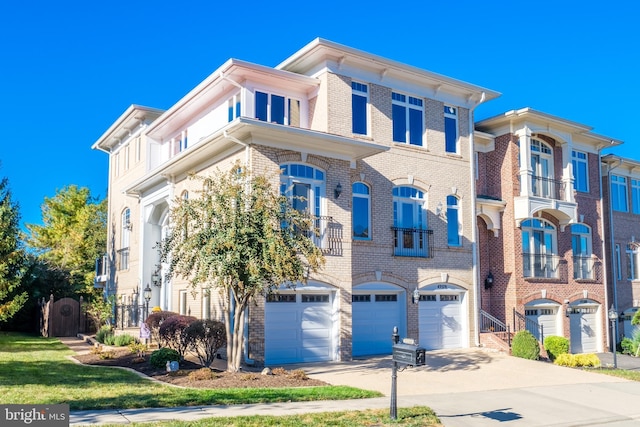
x=474, y=228
x=245, y=331
x=614, y=259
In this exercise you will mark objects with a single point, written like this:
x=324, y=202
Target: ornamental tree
x=241, y=238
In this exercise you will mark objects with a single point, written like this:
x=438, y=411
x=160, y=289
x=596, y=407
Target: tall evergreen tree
x=12, y=255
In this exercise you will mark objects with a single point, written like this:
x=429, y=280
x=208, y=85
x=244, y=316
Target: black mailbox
x=408, y=354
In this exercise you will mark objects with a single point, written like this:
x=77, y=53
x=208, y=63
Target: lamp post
x=147, y=297
x=613, y=318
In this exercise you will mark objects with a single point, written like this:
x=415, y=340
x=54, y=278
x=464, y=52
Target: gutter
x=474, y=228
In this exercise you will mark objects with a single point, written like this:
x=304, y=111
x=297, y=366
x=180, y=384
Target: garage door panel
x=298, y=331
x=373, y=323
x=440, y=322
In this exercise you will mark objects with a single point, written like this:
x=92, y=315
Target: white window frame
x=410, y=103
x=458, y=223
x=619, y=193
x=234, y=107
x=451, y=112
x=287, y=106
x=583, y=266
x=580, y=183
x=635, y=196
x=367, y=197
x=138, y=147
x=357, y=91
x=126, y=157
x=547, y=248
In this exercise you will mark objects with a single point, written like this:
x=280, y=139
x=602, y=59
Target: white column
x=524, y=135
x=567, y=171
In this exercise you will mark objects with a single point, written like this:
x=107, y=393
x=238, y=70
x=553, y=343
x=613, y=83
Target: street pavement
x=465, y=387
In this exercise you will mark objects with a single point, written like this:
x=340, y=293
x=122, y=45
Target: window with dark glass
x=359, y=101
x=451, y=129
x=580, y=171
x=453, y=221
x=408, y=118
x=361, y=214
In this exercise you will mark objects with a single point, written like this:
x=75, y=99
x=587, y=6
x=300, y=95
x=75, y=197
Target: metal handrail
x=412, y=242
x=489, y=323
x=520, y=322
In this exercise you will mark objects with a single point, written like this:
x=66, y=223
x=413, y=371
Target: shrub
x=299, y=374
x=525, y=346
x=154, y=320
x=566, y=359
x=138, y=348
x=172, y=333
x=589, y=360
x=201, y=374
x=578, y=360
x=102, y=333
x=123, y=340
x=205, y=338
x=627, y=346
x=556, y=346
x=110, y=339
x=160, y=357
x=107, y=354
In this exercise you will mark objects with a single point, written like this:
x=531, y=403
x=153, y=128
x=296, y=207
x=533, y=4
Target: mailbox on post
x=408, y=354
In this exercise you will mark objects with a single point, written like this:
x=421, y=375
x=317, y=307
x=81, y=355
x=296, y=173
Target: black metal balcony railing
x=583, y=267
x=540, y=265
x=412, y=242
x=547, y=188
x=327, y=235
x=129, y=315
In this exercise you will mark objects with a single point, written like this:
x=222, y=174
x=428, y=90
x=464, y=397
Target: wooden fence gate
x=61, y=318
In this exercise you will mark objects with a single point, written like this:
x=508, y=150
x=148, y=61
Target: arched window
x=539, y=251
x=453, y=221
x=581, y=246
x=410, y=222
x=361, y=214
x=304, y=185
x=542, y=168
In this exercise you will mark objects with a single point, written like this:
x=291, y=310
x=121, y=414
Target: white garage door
x=298, y=328
x=374, y=317
x=440, y=319
x=541, y=316
x=584, y=338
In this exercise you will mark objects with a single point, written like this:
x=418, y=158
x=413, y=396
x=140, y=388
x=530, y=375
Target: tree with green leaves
x=12, y=255
x=72, y=237
x=242, y=239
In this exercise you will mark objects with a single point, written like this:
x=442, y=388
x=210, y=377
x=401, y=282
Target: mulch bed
x=193, y=375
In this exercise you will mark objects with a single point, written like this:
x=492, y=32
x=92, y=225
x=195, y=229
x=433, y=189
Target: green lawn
x=35, y=370
x=419, y=416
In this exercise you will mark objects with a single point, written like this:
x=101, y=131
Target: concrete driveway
x=472, y=387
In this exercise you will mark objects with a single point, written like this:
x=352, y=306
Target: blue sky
x=68, y=69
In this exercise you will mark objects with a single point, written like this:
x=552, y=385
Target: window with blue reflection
x=453, y=221
x=361, y=215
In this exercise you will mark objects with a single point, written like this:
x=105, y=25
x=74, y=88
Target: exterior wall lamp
x=155, y=279
x=488, y=282
x=415, y=297
x=338, y=191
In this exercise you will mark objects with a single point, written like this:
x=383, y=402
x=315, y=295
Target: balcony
x=583, y=267
x=541, y=193
x=412, y=242
x=327, y=235
x=542, y=266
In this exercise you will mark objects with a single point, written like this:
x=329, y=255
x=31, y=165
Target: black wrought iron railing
x=129, y=315
x=540, y=265
x=547, y=188
x=488, y=323
x=521, y=322
x=412, y=242
x=583, y=267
